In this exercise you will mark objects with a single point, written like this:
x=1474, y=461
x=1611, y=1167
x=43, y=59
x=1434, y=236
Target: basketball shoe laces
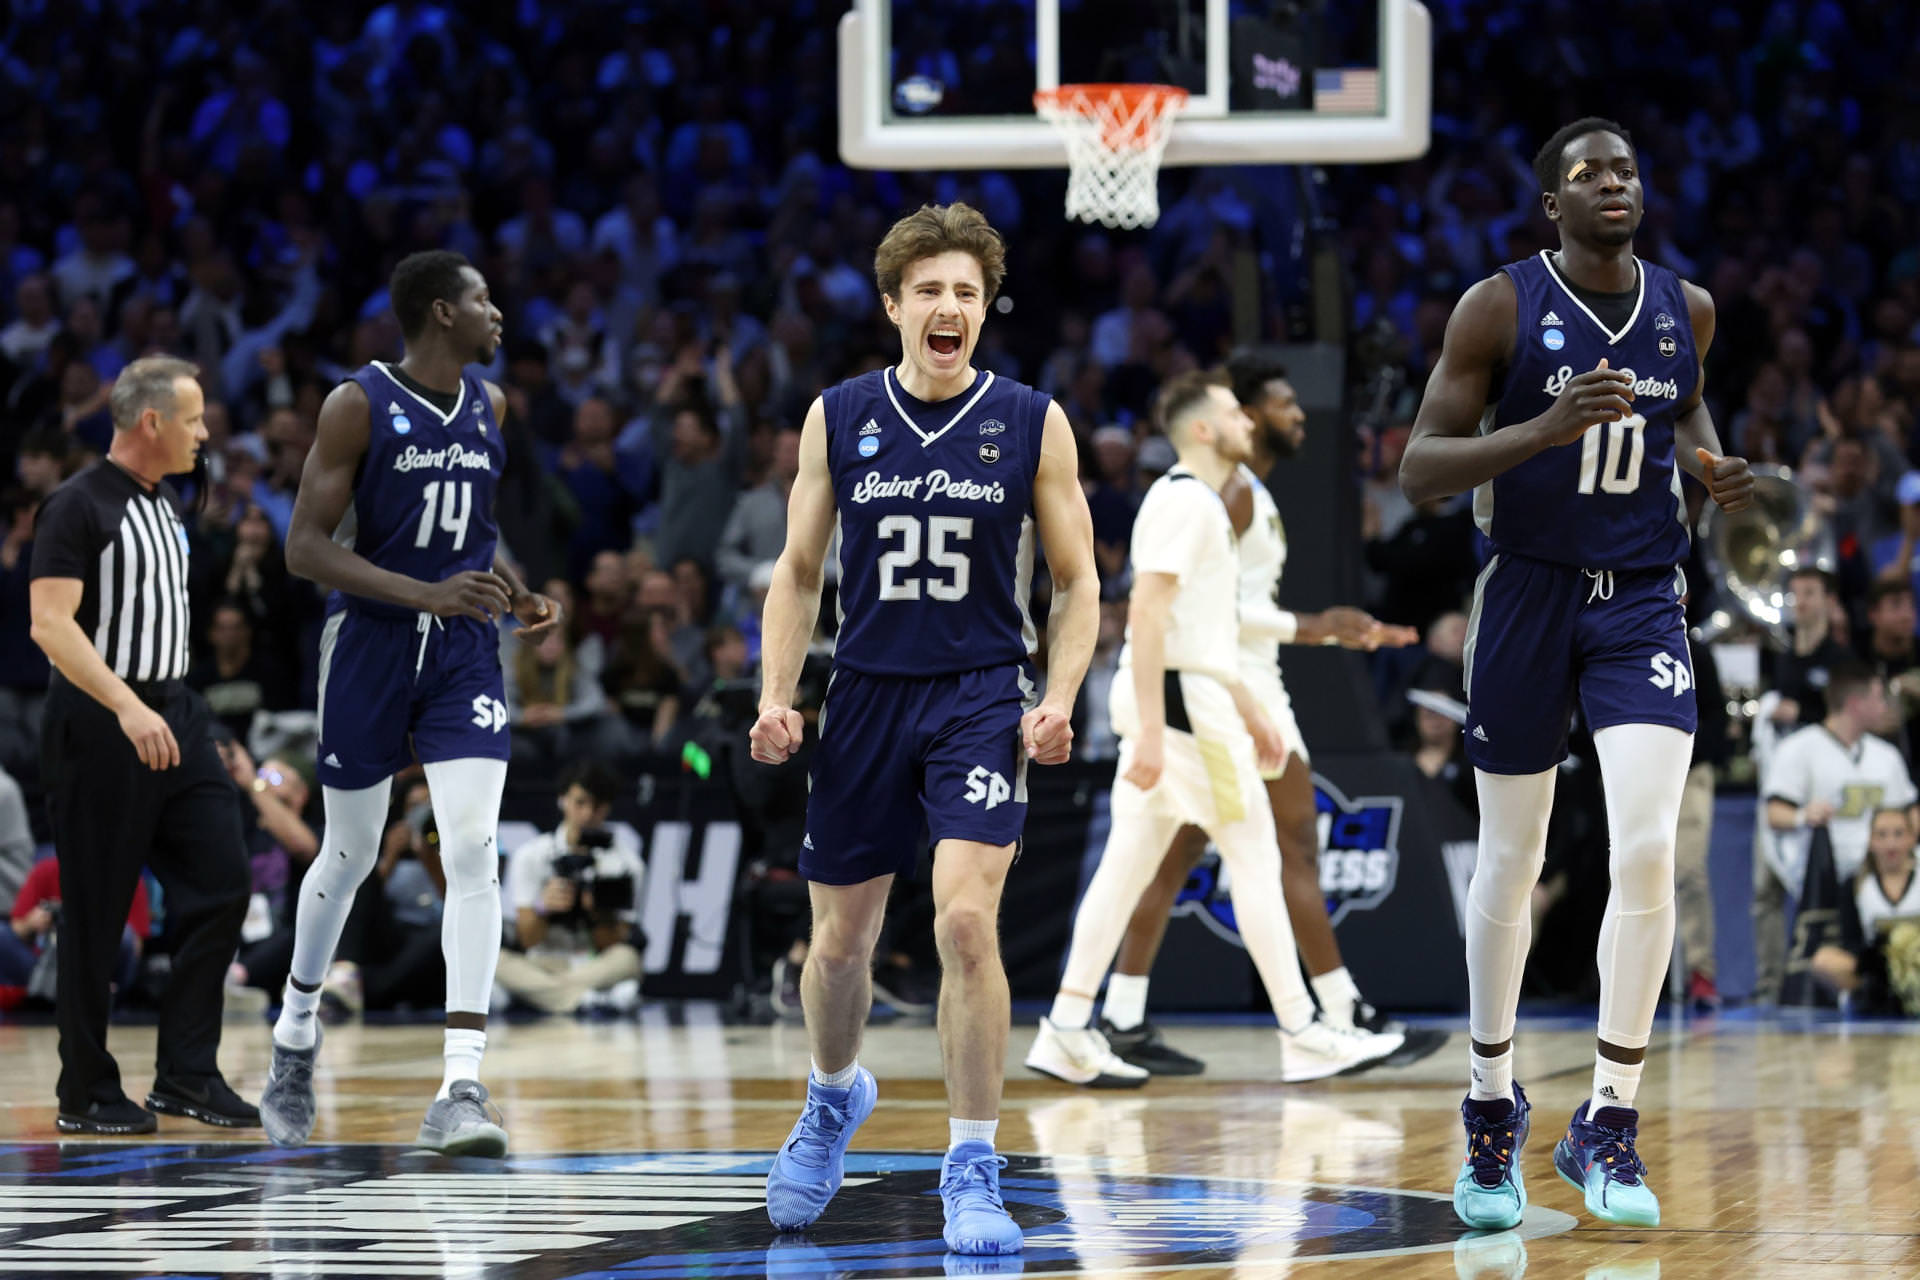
x=820, y=1126
x=973, y=1184
x=1613, y=1146
x=1490, y=1148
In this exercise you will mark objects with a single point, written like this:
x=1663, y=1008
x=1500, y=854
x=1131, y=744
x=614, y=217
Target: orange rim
x=1126, y=125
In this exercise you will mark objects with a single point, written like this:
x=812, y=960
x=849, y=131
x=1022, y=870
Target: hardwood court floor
x=1777, y=1150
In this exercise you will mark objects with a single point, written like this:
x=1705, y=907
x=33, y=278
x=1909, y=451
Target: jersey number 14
x=1626, y=442
x=451, y=502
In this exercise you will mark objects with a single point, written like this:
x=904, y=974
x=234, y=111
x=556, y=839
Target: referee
x=131, y=774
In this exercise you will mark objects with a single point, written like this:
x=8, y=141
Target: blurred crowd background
x=653, y=193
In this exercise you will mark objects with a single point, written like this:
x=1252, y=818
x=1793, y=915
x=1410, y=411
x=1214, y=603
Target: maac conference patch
x=365, y=1211
x=1359, y=861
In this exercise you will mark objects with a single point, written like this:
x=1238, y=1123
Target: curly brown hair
x=934, y=229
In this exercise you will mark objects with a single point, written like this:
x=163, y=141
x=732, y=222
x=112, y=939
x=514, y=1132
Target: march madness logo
x=362, y=1211
x=1359, y=861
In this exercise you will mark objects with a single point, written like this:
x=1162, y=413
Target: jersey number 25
x=940, y=530
x=453, y=502
x=1626, y=439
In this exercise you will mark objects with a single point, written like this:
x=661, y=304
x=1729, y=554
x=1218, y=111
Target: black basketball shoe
x=1416, y=1042
x=1142, y=1047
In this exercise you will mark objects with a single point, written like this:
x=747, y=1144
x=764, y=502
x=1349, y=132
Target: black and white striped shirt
x=126, y=545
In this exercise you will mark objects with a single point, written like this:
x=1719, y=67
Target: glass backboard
x=948, y=84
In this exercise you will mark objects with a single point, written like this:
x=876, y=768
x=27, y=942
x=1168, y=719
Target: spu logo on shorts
x=983, y=785
x=489, y=713
x=1670, y=672
x=1359, y=861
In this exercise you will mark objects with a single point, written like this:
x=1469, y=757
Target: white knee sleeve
x=1514, y=809
x=466, y=809
x=349, y=847
x=1644, y=770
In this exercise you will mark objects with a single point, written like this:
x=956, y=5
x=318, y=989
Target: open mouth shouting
x=944, y=341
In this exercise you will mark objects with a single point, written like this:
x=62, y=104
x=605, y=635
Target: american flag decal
x=1347, y=90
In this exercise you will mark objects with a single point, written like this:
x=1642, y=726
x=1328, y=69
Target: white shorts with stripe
x=1210, y=776
x=1262, y=679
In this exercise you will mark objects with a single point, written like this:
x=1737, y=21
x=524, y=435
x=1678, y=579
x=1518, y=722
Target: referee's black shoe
x=1142, y=1047
x=208, y=1099
x=108, y=1118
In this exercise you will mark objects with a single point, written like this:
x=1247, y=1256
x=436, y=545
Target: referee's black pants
x=112, y=816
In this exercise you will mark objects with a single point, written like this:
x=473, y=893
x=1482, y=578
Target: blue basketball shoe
x=808, y=1168
x=1598, y=1158
x=977, y=1219
x=1491, y=1194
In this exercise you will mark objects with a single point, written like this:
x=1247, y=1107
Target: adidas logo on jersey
x=333, y=761
x=871, y=429
x=1551, y=318
x=1480, y=732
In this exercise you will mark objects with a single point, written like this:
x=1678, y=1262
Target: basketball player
x=395, y=515
x=1194, y=741
x=938, y=476
x=1567, y=396
x=1260, y=384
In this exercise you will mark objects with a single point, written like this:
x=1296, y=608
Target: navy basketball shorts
x=391, y=690
x=903, y=754
x=1540, y=633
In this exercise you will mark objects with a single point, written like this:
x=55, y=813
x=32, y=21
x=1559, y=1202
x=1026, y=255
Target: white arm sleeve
x=1264, y=620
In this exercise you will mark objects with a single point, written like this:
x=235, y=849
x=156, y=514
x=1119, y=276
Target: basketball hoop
x=1115, y=135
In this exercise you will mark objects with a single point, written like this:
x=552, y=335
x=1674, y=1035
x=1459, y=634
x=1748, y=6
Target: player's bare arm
x=1073, y=625
x=326, y=489
x=535, y=612
x=1270, y=749
x=1148, y=609
x=53, y=603
x=1696, y=444
x=793, y=598
x=1446, y=454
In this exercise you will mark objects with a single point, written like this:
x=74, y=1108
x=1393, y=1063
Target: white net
x=1115, y=135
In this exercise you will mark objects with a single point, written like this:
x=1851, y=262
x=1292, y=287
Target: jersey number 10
x=1626, y=438
x=940, y=530
x=452, y=501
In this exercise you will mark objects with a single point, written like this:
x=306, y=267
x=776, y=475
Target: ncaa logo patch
x=401, y=424
x=1359, y=861
x=1668, y=346
x=364, y=1211
x=869, y=445
x=989, y=451
x=1554, y=339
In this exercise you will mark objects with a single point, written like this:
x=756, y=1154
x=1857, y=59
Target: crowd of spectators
x=654, y=194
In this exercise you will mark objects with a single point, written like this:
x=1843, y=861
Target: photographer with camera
x=573, y=894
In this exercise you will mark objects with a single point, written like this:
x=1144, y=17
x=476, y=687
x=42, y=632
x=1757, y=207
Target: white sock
x=959, y=1131
x=294, y=1029
x=1337, y=996
x=1071, y=1012
x=1492, y=1077
x=841, y=1079
x=1126, y=1003
x=1615, y=1084
x=463, y=1051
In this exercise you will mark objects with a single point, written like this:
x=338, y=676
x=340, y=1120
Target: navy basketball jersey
x=936, y=523
x=423, y=501
x=1610, y=500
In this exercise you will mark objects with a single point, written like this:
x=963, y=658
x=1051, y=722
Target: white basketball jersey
x=1182, y=529
x=1263, y=558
